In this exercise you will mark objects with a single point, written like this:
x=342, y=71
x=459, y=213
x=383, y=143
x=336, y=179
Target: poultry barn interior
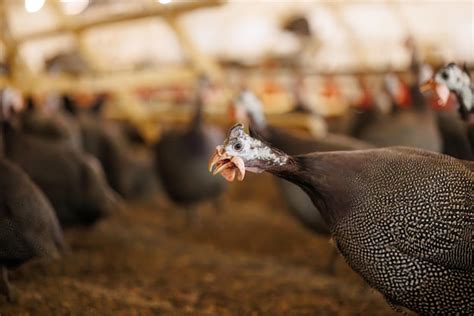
x=122, y=120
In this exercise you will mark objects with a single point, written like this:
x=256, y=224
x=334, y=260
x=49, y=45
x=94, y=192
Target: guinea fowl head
x=449, y=78
x=242, y=152
x=247, y=107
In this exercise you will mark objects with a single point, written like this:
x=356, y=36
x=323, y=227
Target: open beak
x=441, y=90
x=228, y=166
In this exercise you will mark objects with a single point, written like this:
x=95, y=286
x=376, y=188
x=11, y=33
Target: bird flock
x=394, y=192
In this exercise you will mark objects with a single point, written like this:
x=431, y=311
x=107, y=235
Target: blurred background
x=318, y=69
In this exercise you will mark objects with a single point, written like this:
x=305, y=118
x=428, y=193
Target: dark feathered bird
x=248, y=106
x=454, y=134
x=452, y=78
x=73, y=181
x=28, y=226
x=414, y=126
x=129, y=167
x=403, y=218
x=181, y=155
x=55, y=124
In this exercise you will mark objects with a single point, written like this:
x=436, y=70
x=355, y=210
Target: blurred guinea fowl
x=247, y=107
x=28, y=226
x=403, y=218
x=54, y=124
x=452, y=78
x=413, y=125
x=73, y=182
x=128, y=165
x=453, y=131
x=181, y=156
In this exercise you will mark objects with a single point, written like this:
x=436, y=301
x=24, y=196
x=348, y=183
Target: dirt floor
x=251, y=258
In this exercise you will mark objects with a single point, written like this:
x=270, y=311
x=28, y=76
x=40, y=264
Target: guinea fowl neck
x=466, y=101
x=198, y=115
x=320, y=179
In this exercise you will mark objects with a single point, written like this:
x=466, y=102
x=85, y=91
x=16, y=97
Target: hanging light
x=164, y=1
x=74, y=7
x=32, y=6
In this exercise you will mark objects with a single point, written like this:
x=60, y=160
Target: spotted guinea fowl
x=452, y=78
x=28, y=226
x=181, y=155
x=403, y=218
x=73, y=181
x=248, y=107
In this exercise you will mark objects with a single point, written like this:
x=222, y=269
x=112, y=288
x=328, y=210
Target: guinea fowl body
x=59, y=126
x=28, y=226
x=73, y=182
x=407, y=127
x=455, y=138
x=413, y=126
x=181, y=159
x=402, y=218
x=129, y=168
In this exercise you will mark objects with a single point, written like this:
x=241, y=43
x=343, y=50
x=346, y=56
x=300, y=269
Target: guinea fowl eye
x=445, y=75
x=238, y=146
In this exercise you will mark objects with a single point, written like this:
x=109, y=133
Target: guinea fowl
x=453, y=131
x=181, y=156
x=56, y=124
x=403, y=218
x=248, y=107
x=451, y=78
x=73, y=182
x=128, y=165
x=414, y=126
x=28, y=226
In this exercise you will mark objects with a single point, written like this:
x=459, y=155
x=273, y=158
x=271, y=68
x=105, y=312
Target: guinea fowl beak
x=441, y=90
x=228, y=166
x=428, y=85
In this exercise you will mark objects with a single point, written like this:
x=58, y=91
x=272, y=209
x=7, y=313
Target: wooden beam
x=78, y=25
x=109, y=82
x=201, y=62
